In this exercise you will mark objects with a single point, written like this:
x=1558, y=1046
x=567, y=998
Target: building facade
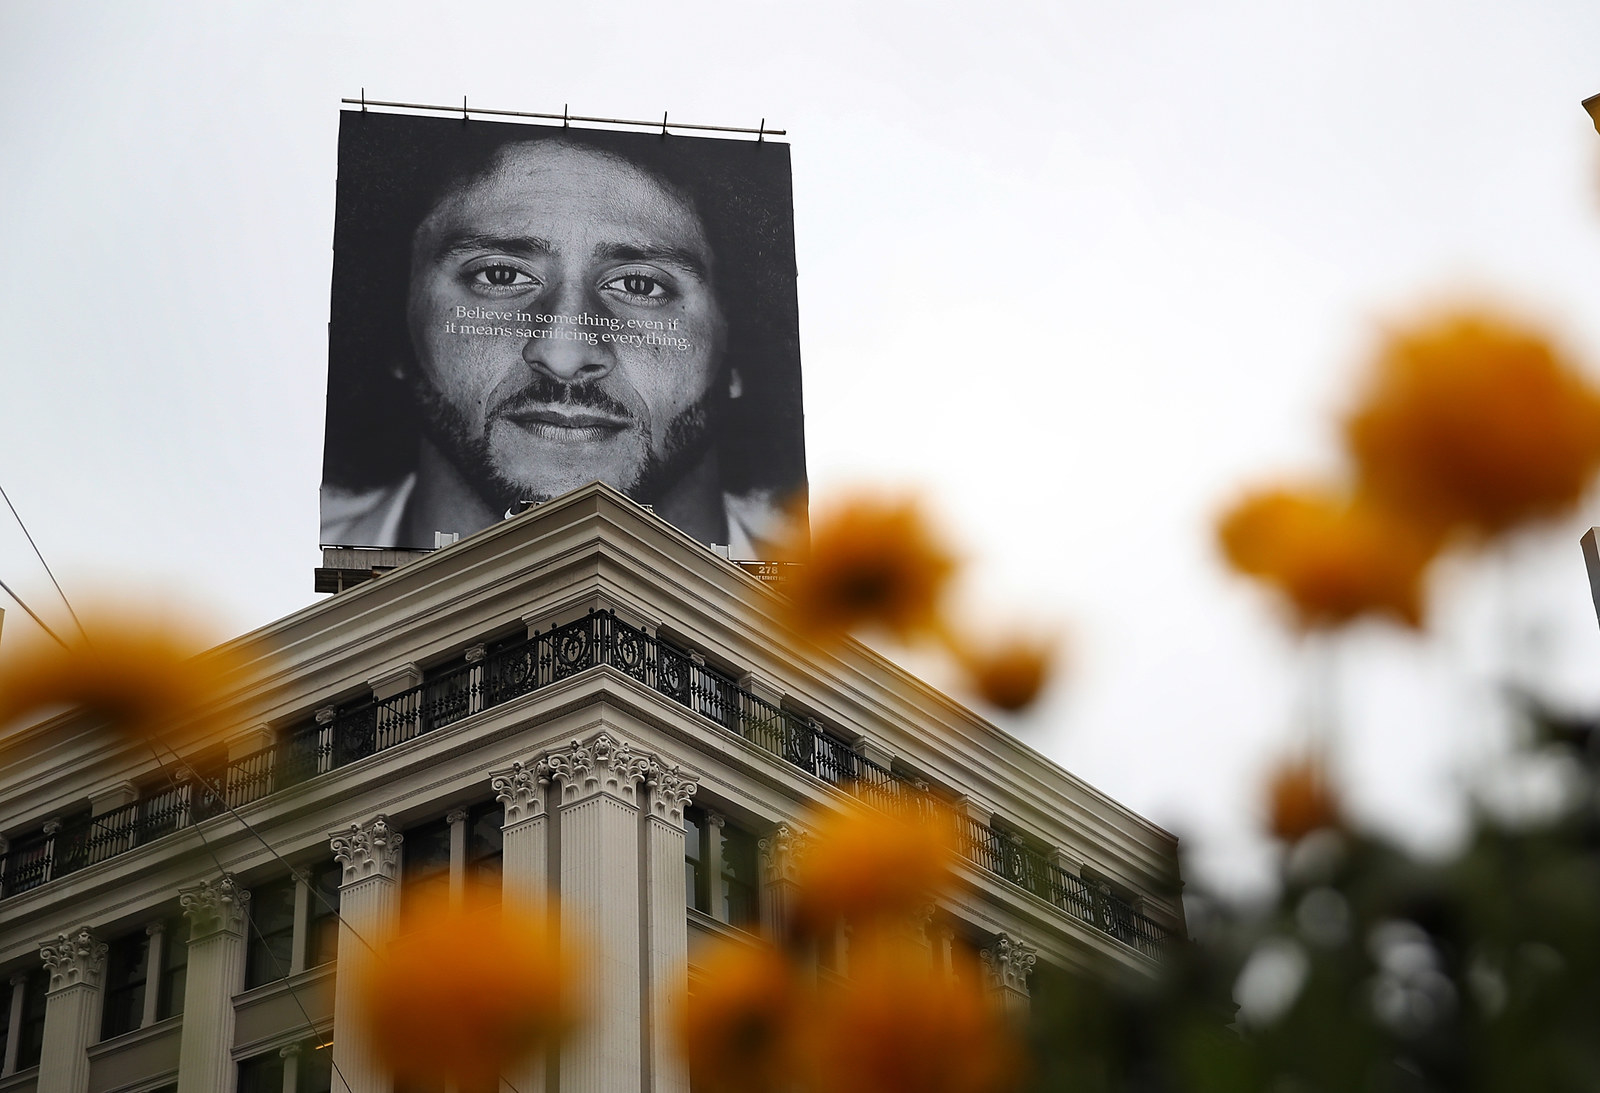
x=579, y=701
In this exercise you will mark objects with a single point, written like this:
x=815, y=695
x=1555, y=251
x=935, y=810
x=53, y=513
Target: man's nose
x=566, y=347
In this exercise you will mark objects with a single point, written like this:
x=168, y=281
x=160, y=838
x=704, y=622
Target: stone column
x=457, y=819
x=525, y=851
x=780, y=854
x=218, y=918
x=77, y=963
x=715, y=821
x=302, y=922
x=290, y=1054
x=667, y=924
x=368, y=903
x=14, y=1025
x=154, y=962
x=600, y=898
x=1007, y=963
x=525, y=880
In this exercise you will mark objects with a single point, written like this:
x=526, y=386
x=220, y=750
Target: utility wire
x=32, y=615
x=40, y=555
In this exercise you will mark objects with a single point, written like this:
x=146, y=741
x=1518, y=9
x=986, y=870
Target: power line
x=40, y=555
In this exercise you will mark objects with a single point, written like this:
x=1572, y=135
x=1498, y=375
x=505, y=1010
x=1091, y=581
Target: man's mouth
x=566, y=423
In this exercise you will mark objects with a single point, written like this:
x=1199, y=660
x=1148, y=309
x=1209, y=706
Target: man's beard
x=688, y=437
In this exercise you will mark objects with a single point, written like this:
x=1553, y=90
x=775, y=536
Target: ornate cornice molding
x=367, y=850
x=520, y=788
x=215, y=906
x=75, y=959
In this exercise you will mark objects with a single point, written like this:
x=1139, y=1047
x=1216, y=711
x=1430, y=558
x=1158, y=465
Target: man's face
x=604, y=356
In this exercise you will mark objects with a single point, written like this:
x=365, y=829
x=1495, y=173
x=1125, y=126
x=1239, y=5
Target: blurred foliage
x=1370, y=969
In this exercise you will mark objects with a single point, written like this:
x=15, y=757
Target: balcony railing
x=343, y=735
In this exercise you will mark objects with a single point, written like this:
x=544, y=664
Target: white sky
x=1080, y=270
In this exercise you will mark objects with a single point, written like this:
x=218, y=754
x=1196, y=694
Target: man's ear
x=735, y=383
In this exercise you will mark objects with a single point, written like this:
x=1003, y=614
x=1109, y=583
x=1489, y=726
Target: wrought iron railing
x=342, y=735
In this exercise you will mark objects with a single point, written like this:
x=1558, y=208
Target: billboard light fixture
x=566, y=117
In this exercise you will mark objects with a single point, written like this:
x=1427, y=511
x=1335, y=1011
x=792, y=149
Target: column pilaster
x=155, y=960
x=218, y=918
x=667, y=923
x=77, y=964
x=369, y=901
x=520, y=788
x=780, y=856
x=8, y=1065
x=600, y=905
x=715, y=821
x=1007, y=964
x=525, y=866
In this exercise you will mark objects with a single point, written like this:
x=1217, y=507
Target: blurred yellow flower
x=899, y=1025
x=873, y=561
x=1300, y=800
x=1332, y=557
x=1010, y=673
x=147, y=679
x=1471, y=420
x=461, y=993
x=741, y=1031
x=868, y=866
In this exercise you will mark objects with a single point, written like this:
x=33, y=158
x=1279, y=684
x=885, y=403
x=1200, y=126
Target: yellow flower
x=462, y=993
x=741, y=1031
x=145, y=678
x=1473, y=421
x=1300, y=800
x=901, y=1026
x=1331, y=557
x=872, y=561
x=868, y=866
x=1010, y=673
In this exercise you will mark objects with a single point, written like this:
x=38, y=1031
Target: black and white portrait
x=519, y=310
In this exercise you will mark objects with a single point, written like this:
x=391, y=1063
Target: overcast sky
x=1078, y=270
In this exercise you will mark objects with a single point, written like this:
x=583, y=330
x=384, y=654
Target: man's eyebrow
x=523, y=245
x=693, y=261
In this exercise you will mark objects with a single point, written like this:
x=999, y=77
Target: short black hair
x=394, y=169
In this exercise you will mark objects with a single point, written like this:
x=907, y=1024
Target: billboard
x=518, y=310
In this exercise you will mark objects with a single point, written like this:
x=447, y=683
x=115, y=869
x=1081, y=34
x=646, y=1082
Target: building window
x=322, y=926
x=261, y=1073
x=697, y=884
x=720, y=877
x=306, y=1067
x=174, y=968
x=294, y=924
x=270, y=949
x=127, y=970
x=425, y=862
x=739, y=877
x=30, y=1031
x=442, y=858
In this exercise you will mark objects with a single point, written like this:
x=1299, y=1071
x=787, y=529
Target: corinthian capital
x=671, y=789
x=75, y=958
x=781, y=852
x=520, y=788
x=602, y=765
x=1008, y=962
x=214, y=906
x=367, y=850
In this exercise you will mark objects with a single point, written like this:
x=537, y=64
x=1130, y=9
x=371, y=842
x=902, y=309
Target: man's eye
x=640, y=286
x=499, y=276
